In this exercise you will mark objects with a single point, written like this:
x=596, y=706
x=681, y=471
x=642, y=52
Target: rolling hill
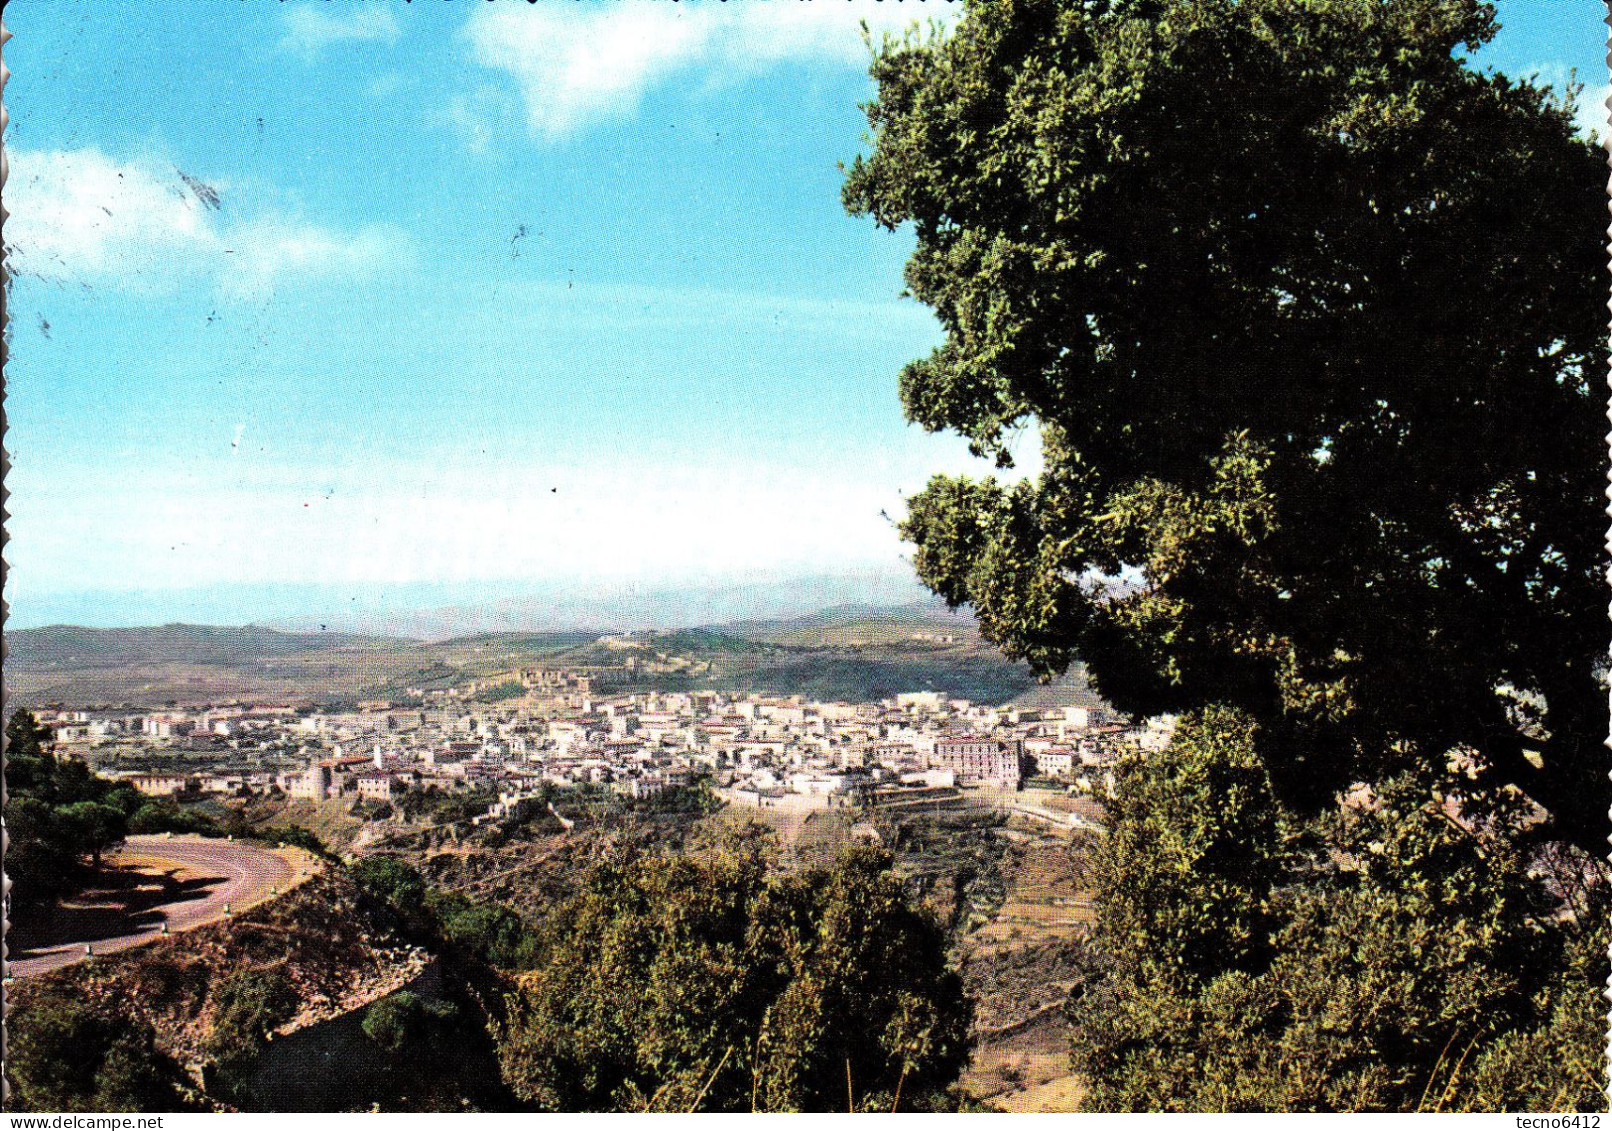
x=849, y=653
x=65, y=647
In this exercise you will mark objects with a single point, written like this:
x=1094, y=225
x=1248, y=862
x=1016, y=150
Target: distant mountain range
x=442, y=610
x=71, y=647
x=853, y=652
x=619, y=608
x=63, y=647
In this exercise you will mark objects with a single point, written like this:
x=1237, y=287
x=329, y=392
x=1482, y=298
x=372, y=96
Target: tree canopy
x=1383, y=956
x=716, y=982
x=1308, y=312
x=58, y=813
x=69, y=1055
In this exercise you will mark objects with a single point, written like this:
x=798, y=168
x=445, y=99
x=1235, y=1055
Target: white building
x=312, y=784
x=1055, y=763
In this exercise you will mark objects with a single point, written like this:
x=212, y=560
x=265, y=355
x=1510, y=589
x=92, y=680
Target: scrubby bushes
x=248, y=1006
x=390, y=880
x=405, y=1020
x=297, y=837
x=1392, y=954
x=487, y=934
x=64, y=1055
x=163, y=815
x=711, y=980
x=715, y=981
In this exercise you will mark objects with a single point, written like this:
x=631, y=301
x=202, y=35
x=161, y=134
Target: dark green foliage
x=63, y=1055
x=406, y=1021
x=390, y=880
x=488, y=933
x=28, y=744
x=1558, y=1065
x=164, y=815
x=500, y=692
x=952, y=859
x=58, y=813
x=1193, y=852
x=247, y=1006
x=712, y=981
x=434, y=805
x=1309, y=313
x=297, y=837
x=592, y=803
x=367, y=810
x=696, y=799
x=250, y=1004
x=483, y=934
x=41, y=855
x=94, y=826
x=1388, y=956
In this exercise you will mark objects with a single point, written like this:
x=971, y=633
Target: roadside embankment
x=320, y=937
x=151, y=887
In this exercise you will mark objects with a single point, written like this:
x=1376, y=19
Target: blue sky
x=495, y=297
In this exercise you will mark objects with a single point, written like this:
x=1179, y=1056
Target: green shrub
x=247, y=1007
x=1381, y=957
x=390, y=880
x=162, y=815
x=405, y=1020
x=64, y=1056
x=719, y=982
x=489, y=933
x=297, y=837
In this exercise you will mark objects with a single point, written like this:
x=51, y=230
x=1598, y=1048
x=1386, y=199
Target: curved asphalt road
x=218, y=872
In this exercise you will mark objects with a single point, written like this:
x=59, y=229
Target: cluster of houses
x=555, y=731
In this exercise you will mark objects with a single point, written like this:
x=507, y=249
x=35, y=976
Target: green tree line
x=60, y=817
x=1382, y=956
x=713, y=981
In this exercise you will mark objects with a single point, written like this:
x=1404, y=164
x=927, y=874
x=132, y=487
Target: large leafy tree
x=1309, y=313
x=95, y=826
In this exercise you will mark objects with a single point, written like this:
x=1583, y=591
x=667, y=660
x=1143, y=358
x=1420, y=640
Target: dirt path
x=153, y=883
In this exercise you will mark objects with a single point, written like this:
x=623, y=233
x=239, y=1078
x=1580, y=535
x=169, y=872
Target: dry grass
x=338, y=672
x=1020, y=924
x=329, y=820
x=1026, y=1070
x=1047, y=897
x=1060, y=1094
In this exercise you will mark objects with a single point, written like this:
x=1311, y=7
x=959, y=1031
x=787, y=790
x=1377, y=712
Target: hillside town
x=525, y=732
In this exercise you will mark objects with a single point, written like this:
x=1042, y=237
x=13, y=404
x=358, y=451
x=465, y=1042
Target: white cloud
x=80, y=216
x=387, y=85
x=579, y=64
x=308, y=30
x=476, y=116
x=273, y=246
